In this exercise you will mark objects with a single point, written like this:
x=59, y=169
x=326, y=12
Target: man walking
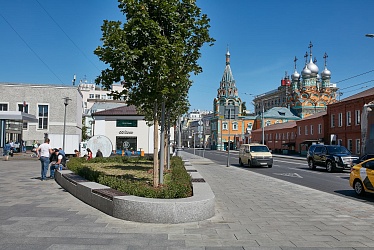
x=44, y=151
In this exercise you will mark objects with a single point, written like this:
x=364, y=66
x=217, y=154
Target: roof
x=316, y=115
x=362, y=94
x=17, y=116
x=280, y=113
x=285, y=125
x=120, y=111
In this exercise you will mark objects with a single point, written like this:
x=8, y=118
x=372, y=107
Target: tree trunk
x=155, y=147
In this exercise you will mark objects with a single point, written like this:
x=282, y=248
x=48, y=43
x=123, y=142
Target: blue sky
x=50, y=41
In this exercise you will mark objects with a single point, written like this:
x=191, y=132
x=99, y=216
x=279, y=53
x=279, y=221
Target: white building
x=91, y=94
x=46, y=104
x=126, y=129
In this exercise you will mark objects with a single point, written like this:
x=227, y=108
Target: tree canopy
x=154, y=52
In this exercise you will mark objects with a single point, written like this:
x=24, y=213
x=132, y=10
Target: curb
x=139, y=209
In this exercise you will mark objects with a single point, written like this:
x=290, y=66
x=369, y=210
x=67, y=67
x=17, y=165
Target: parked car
x=361, y=178
x=331, y=157
x=363, y=158
x=255, y=154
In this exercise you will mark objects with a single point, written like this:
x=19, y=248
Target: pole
x=228, y=145
x=193, y=139
x=66, y=102
x=262, y=123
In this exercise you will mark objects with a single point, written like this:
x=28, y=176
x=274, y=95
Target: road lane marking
x=290, y=175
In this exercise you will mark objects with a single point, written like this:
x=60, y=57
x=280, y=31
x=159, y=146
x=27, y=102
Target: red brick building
x=279, y=137
x=340, y=124
x=344, y=120
x=311, y=130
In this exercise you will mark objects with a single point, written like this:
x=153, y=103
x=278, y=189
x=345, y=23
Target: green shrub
x=177, y=182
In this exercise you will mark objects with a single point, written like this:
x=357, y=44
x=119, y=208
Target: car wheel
x=329, y=166
x=311, y=164
x=270, y=166
x=359, y=188
x=249, y=163
x=240, y=162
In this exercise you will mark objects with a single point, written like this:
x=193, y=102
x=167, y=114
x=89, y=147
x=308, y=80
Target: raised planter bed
x=133, y=208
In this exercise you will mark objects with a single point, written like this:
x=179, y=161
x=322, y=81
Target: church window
x=224, y=126
x=234, y=126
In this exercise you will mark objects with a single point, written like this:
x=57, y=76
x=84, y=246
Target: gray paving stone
x=252, y=212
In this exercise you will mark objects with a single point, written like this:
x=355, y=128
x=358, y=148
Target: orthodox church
x=305, y=94
x=227, y=107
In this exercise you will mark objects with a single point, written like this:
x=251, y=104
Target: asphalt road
x=294, y=171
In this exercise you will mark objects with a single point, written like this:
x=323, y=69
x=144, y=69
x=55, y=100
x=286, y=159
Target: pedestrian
x=6, y=151
x=59, y=164
x=99, y=153
x=61, y=151
x=44, y=151
x=77, y=153
x=89, y=154
x=11, y=151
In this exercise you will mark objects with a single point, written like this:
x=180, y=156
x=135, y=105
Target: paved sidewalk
x=252, y=212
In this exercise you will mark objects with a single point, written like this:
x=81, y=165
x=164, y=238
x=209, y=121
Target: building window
x=271, y=137
x=332, y=121
x=340, y=120
x=306, y=129
x=224, y=126
x=103, y=97
x=127, y=123
x=299, y=130
x=288, y=135
x=91, y=96
x=97, y=96
x=234, y=126
x=276, y=136
x=3, y=107
x=340, y=142
x=267, y=137
x=349, y=118
x=358, y=117
x=349, y=145
x=43, y=116
x=25, y=109
x=319, y=129
x=283, y=137
x=358, y=146
x=311, y=129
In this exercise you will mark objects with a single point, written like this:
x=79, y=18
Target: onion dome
x=313, y=68
x=326, y=74
x=295, y=76
x=306, y=72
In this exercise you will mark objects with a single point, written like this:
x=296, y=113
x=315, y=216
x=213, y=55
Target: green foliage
x=177, y=182
x=154, y=52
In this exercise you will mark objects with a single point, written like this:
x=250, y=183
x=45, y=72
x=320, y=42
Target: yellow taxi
x=361, y=178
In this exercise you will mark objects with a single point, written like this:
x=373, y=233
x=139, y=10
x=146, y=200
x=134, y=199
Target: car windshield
x=338, y=150
x=259, y=149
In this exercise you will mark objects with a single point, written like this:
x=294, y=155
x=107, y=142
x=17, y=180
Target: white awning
x=17, y=116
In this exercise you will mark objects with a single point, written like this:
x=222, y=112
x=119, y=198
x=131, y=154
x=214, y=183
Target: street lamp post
x=228, y=144
x=66, y=102
x=262, y=122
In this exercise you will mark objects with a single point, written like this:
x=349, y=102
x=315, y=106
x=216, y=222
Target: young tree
x=153, y=53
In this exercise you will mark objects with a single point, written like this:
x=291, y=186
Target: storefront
x=11, y=126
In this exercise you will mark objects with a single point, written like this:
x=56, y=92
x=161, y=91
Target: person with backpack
x=60, y=163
